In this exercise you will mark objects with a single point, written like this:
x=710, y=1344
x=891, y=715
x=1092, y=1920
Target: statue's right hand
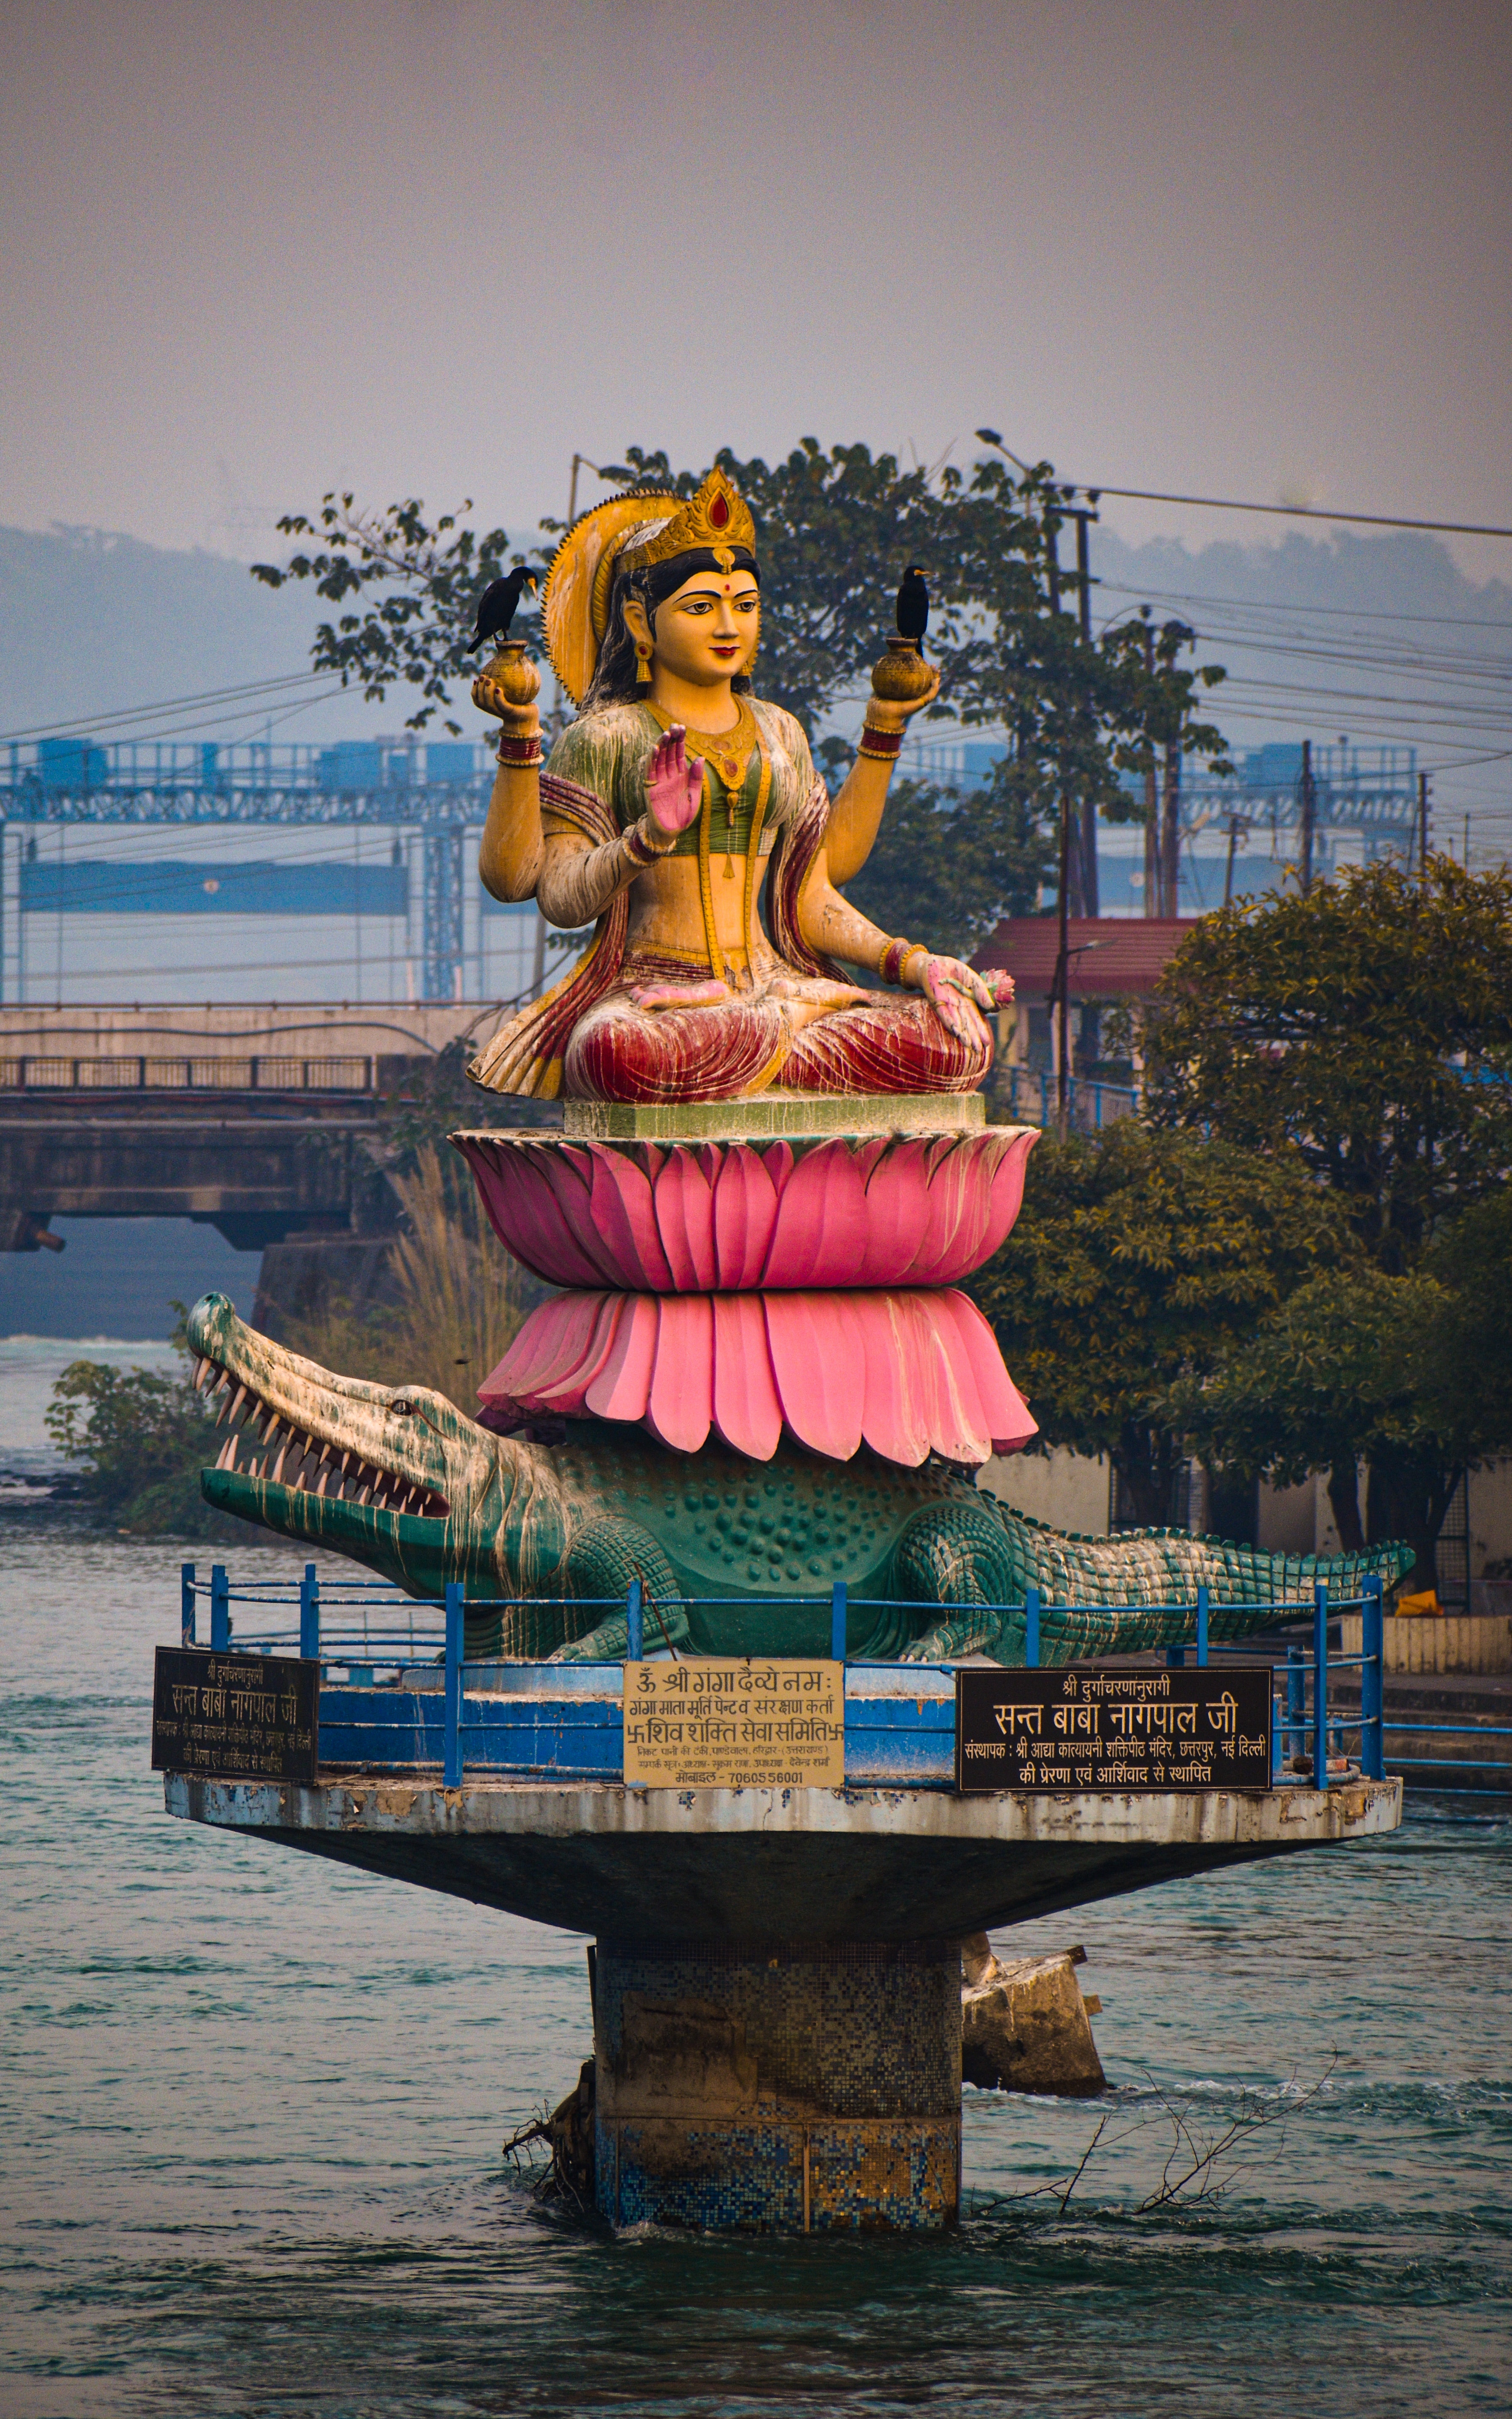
x=674, y=783
x=490, y=697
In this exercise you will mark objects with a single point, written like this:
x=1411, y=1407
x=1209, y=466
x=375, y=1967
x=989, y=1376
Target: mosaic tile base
x=778, y=2089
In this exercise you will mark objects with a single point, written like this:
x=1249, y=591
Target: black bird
x=498, y=602
x=914, y=605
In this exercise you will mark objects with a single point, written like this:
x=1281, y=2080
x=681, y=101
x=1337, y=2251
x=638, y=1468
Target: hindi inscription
x=234, y=1717
x=1095, y=1726
x=733, y=1724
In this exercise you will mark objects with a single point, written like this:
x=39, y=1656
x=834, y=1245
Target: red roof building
x=1112, y=957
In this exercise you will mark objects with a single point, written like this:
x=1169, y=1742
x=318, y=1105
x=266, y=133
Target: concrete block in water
x=1025, y=2024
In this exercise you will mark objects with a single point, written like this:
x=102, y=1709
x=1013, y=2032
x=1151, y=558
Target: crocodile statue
x=734, y=1556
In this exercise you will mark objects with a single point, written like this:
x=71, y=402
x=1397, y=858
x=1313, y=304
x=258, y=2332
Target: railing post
x=186, y=1604
x=219, y=1608
x=1296, y=1701
x=310, y=1615
x=635, y=1621
x=1373, y=1681
x=1319, y=1685
x=1032, y=1627
x=1202, y=1627
x=452, y=1752
x=838, y=1608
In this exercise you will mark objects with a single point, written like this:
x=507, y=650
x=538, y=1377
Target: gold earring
x=643, y=667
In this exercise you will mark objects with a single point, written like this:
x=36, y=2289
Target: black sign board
x=235, y=1716
x=1113, y=1726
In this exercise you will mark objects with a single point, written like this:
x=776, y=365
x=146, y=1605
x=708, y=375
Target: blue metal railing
x=1033, y=1098
x=333, y=1624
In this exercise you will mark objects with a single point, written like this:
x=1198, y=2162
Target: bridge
x=265, y=1123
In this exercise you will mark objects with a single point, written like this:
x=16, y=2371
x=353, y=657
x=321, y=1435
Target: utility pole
x=1237, y=823
x=1062, y=975
x=1422, y=826
x=1170, y=831
x=1309, y=809
x=1152, y=888
x=1087, y=822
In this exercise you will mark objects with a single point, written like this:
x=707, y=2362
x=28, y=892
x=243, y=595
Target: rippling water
x=252, y=2108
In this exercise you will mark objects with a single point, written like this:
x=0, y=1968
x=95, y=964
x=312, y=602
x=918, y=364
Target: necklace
x=728, y=751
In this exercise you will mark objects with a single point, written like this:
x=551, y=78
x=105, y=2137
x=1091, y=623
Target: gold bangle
x=639, y=847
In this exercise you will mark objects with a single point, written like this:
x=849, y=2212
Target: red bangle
x=639, y=849
x=895, y=958
x=883, y=744
x=522, y=749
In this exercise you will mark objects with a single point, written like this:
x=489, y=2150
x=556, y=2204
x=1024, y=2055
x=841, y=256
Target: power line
x=1275, y=604
x=1294, y=512
x=113, y=718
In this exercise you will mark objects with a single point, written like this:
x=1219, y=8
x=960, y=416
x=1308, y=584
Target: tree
x=430, y=576
x=139, y=1442
x=1139, y=1261
x=1366, y=1025
x=1413, y=1373
x=836, y=530
x=1159, y=729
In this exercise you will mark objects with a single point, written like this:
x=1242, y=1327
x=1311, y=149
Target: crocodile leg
x=603, y=1560
x=958, y=1554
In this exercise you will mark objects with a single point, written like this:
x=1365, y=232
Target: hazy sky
x=429, y=247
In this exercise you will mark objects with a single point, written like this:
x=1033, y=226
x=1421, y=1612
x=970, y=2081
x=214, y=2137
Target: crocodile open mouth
x=284, y=1453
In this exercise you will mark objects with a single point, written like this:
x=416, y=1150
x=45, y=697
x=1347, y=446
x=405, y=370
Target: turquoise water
x=252, y=2108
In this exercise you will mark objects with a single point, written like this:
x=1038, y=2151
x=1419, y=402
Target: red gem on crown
x=719, y=513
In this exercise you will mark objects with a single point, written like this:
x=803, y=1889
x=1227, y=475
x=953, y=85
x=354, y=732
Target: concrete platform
x=823, y=1866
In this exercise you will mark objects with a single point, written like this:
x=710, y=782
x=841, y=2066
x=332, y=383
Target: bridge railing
x=364, y=1628
x=262, y=1071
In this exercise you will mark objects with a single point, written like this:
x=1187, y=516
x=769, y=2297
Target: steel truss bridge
x=437, y=789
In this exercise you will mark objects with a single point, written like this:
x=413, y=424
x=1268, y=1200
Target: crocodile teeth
x=202, y=1370
x=363, y=1497
x=326, y=1452
x=325, y=1481
x=278, y=1466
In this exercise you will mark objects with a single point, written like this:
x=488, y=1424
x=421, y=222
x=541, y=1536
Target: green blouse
x=606, y=753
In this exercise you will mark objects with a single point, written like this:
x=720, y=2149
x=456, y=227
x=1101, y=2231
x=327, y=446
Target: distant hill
x=92, y=623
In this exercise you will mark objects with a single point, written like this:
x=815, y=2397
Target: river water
x=252, y=2108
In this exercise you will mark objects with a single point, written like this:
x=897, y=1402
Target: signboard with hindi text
x=733, y=1724
x=1101, y=1726
x=234, y=1717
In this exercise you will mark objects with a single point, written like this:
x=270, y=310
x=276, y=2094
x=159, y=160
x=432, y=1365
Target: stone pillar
x=778, y=2090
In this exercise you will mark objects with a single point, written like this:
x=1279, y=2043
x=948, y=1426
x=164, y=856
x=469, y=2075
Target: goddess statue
x=663, y=809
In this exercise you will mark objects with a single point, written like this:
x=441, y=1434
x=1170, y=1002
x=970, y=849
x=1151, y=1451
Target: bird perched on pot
x=498, y=605
x=914, y=605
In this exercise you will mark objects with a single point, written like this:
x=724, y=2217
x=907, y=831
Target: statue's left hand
x=959, y=996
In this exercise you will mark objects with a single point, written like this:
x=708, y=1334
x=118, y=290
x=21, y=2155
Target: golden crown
x=715, y=518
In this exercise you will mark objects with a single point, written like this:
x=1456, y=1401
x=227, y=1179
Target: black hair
x=614, y=681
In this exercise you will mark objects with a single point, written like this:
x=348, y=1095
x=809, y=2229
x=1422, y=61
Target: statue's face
x=707, y=630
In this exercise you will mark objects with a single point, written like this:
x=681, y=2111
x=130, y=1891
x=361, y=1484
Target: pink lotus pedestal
x=761, y=1286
